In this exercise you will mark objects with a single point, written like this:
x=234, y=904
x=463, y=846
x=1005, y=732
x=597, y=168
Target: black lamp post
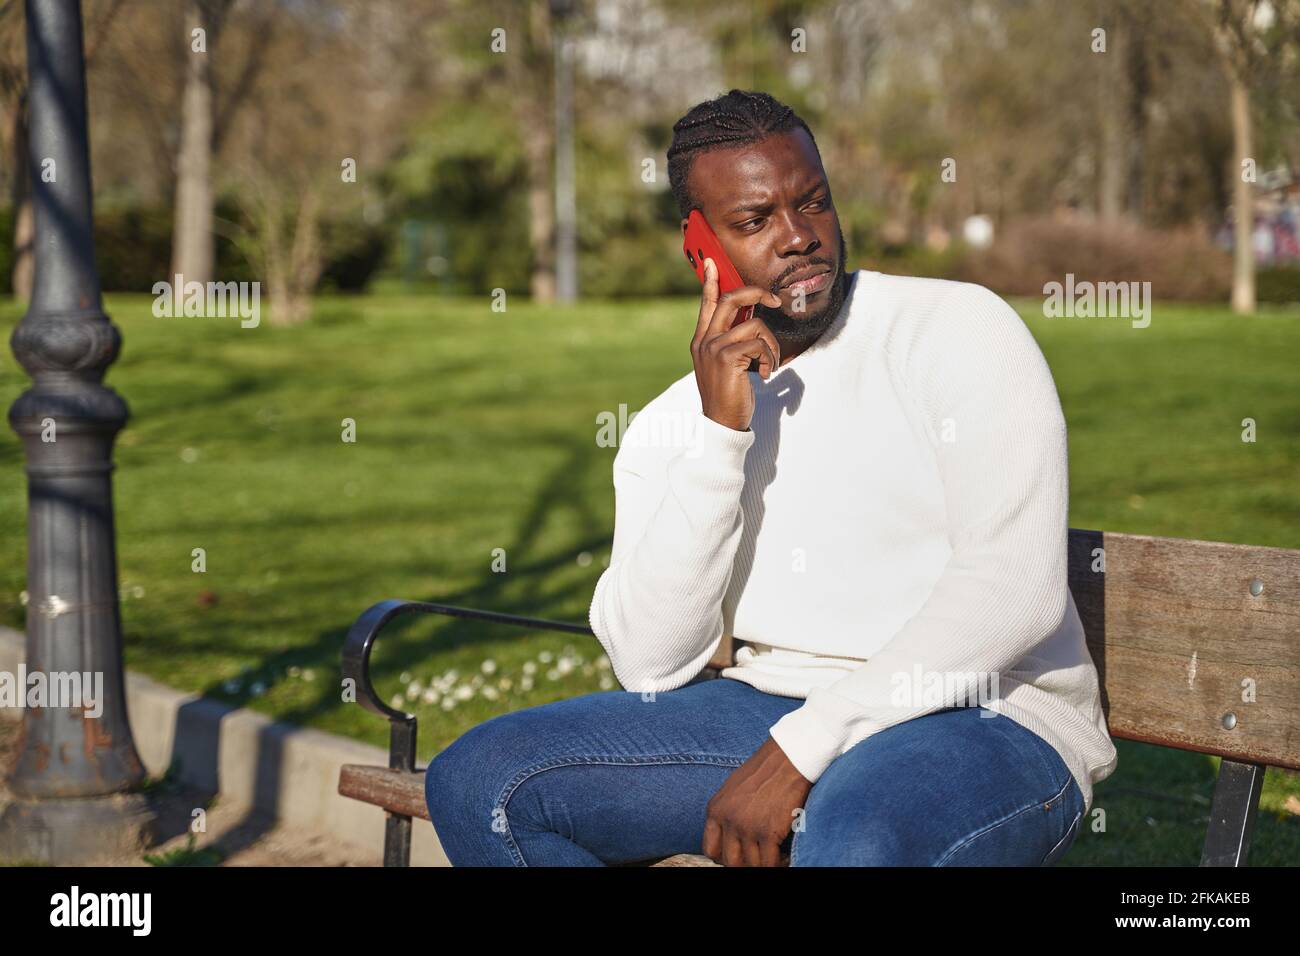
x=69, y=790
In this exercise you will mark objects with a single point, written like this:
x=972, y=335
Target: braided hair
x=738, y=118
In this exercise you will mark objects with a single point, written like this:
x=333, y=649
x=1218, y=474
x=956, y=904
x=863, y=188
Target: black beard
x=808, y=326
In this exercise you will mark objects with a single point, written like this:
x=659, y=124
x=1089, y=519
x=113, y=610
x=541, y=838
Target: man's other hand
x=750, y=817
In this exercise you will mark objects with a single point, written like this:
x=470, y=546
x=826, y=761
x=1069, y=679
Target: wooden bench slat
x=395, y=790
x=1174, y=631
x=398, y=791
x=685, y=859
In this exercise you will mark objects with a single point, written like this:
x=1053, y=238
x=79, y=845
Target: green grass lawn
x=476, y=431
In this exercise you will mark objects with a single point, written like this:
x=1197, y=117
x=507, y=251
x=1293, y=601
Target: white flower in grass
x=464, y=692
x=396, y=702
x=431, y=696
x=451, y=675
x=448, y=703
x=309, y=674
x=530, y=668
x=564, y=665
x=602, y=662
x=505, y=683
x=189, y=455
x=490, y=692
x=545, y=657
x=476, y=681
x=406, y=677
x=489, y=666
x=553, y=674
x=588, y=670
x=414, y=687
x=606, y=682
x=137, y=591
x=295, y=671
x=526, y=684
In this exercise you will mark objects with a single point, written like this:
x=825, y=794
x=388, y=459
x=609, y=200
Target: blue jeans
x=611, y=777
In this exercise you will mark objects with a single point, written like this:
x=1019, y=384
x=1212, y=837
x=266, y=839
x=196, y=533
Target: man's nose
x=797, y=235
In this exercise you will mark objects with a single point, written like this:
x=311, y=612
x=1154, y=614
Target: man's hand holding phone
x=722, y=354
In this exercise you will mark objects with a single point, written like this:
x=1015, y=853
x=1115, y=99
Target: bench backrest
x=1197, y=643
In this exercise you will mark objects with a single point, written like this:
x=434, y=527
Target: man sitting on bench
x=879, y=512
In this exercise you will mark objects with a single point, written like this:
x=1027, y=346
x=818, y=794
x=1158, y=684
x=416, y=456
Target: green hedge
x=133, y=247
x=1278, y=284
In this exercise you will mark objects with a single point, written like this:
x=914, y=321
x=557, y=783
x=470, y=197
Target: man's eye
x=745, y=225
x=820, y=203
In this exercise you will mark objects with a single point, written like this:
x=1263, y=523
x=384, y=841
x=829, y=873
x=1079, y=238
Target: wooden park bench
x=1197, y=646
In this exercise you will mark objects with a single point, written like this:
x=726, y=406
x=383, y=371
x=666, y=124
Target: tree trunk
x=24, y=270
x=24, y=262
x=1110, y=176
x=532, y=78
x=192, y=246
x=1243, y=259
x=293, y=257
x=1139, y=91
x=541, y=212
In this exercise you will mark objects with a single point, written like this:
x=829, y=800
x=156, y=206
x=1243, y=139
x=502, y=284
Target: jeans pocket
x=1067, y=841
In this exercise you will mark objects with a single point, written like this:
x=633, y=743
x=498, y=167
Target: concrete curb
x=289, y=773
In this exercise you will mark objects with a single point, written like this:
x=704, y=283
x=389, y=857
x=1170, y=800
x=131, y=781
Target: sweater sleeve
x=979, y=382
x=657, y=608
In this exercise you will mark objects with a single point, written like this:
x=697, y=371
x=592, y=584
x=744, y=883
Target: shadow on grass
x=1155, y=809
x=531, y=593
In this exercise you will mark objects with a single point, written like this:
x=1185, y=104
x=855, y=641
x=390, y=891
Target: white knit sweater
x=889, y=535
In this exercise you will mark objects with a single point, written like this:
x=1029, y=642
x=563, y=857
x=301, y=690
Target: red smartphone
x=700, y=243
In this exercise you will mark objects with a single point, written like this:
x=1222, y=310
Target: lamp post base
x=73, y=831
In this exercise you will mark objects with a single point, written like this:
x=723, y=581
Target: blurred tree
x=205, y=114
x=192, y=255
x=99, y=18
x=332, y=105
x=1251, y=37
x=528, y=68
x=445, y=129
x=13, y=96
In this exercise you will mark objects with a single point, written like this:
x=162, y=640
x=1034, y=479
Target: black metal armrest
x=401, y=747
x=361, y=638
